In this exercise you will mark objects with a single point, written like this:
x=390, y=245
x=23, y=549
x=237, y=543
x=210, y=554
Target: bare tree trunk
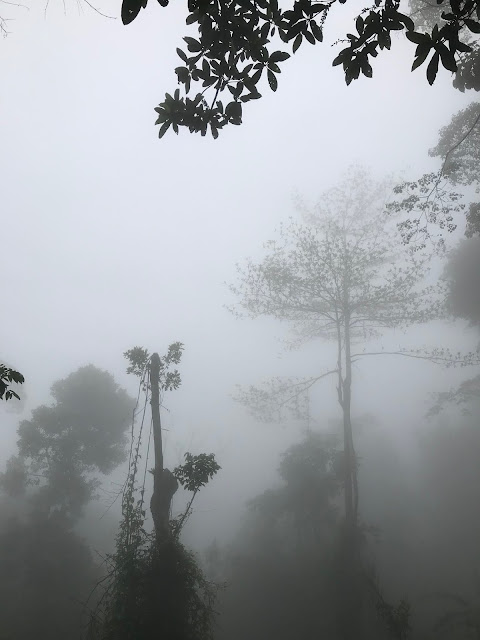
x=164, y=482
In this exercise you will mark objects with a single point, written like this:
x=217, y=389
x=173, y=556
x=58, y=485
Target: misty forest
x=240, y=370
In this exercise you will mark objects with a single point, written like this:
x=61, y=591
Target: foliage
x=437, y=198
x=285, y=572
x=63, y=445
x=464, y=394
x=46, y=572
x=426, y=15
x=396, y=618
x=336, y=275
x=312, y=479
x=7, y=376
x=238, y=40
x=197, y=471
x=462, y=274
x=151, y=588
x=193, y=475
x=280, y=571
x=462, y=615
x=140, y=357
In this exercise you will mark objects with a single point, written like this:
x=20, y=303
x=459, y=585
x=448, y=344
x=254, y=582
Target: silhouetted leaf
x=433, y=68
x=272, y=80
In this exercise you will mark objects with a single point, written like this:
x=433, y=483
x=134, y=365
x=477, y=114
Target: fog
x=112, y=238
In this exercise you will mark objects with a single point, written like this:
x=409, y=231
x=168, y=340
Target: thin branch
x=436, y=359
x=104, y=15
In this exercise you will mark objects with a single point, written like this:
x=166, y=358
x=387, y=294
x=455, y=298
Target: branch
x=104, y=15
x=267, y=403
x=440, y=357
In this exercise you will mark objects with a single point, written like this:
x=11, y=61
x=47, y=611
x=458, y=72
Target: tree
x=283, y=571
x=462, y=275
x=280, y=573
x=311, y=474
x=46, y=573
x=63, y=445
x=238, y=43
x=337, y=279
x=333, y=280
x=46, y=569
x=154, y=586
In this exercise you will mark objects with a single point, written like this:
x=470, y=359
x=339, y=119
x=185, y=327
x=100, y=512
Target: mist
x=325, y=379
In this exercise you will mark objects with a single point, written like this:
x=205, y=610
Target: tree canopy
x=238, y=46
x=64, y=444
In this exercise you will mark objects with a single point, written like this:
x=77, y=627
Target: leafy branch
x=240, y=46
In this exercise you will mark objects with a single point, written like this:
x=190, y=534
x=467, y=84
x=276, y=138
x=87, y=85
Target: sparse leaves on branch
x=139, y=359
x=436, y=199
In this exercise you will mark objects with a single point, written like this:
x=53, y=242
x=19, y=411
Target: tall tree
x=338, y=278
x=238, y=42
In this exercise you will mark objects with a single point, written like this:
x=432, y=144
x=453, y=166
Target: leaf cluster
x=197, y=471
x=139, y=359
x=7, y=376
x=433, y=202
x=238, y=42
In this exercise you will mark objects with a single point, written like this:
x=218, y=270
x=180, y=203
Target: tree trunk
x=351, y=483
x=164, y=482
x=351, y=597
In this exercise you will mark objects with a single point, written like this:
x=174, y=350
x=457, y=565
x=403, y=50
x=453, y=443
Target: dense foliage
x=238, y=40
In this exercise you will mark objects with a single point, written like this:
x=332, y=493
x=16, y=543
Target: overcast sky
x=112, y=238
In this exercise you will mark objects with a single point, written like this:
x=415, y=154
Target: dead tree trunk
x=164, y=482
